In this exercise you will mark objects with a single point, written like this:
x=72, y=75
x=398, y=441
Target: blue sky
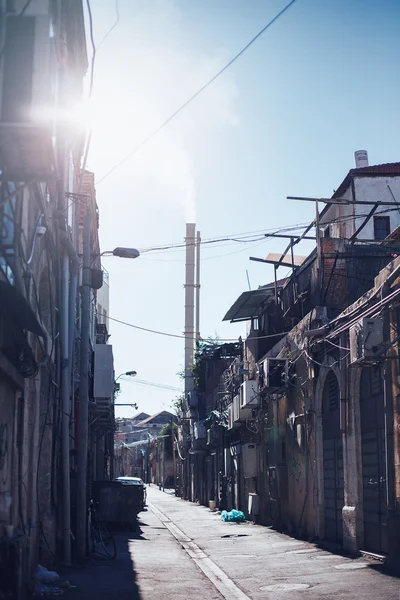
x=285, y=119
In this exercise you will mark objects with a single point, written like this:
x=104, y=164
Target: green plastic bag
x=234, y=516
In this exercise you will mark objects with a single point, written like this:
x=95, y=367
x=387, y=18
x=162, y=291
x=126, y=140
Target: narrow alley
x=199, y=299
x=185, y=551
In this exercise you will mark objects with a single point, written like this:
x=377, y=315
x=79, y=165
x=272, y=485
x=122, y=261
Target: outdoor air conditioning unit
x=275, y=373
x=248, y=394
x=366, y=340
x=230, y=417
x=239, y=413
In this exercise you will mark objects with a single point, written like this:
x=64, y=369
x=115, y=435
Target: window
x=381, y=227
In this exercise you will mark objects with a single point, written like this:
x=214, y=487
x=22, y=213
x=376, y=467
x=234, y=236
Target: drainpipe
x=66, y=407
x=83, y=425
x=67, y=310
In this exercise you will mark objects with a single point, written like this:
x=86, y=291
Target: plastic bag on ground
x=234, y=516
x=43, y=575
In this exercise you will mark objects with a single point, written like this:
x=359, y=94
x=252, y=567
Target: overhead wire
x=247, y=238
x=99, y=45
x=197, y=93
x=183, y=337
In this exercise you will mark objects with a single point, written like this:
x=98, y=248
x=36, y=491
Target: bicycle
x=101, y=539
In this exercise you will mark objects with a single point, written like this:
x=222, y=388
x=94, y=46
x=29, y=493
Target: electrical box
x=103, y=373
x=199, y=431
x=249, y=394
x=366, y=340
x=239, y=413
x=254, y=504
x=275, y=373
x=249, y=452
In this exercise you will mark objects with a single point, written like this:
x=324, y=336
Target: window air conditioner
x=248, y=394
x=366, y=340
x=275, y=373
x=239, y=413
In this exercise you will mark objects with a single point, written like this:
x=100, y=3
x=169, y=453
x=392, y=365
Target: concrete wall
x=372, y=189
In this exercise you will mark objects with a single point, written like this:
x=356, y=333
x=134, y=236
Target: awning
x=247, y=305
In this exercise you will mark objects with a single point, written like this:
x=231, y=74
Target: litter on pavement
x=234, y=516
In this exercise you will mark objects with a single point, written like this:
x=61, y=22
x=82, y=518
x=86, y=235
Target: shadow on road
x=106, y=579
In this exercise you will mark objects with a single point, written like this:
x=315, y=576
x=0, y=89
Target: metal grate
x=333, y=392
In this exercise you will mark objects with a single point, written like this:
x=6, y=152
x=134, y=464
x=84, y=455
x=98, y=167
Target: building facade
x=302, y=431
x=44, y=196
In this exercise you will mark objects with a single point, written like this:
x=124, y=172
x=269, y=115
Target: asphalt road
x=183, y=551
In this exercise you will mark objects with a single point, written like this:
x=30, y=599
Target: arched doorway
x=333, y=460
x=373, y=460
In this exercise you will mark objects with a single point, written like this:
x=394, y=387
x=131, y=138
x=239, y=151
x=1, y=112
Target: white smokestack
x=361, y=158
x=189, y=305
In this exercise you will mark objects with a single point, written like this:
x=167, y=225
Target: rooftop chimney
x=361, y=158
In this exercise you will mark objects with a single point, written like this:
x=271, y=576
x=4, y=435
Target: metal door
x=333, y=461
x=373, y=460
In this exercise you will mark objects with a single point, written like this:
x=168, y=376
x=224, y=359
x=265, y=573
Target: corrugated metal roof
x=248, y=304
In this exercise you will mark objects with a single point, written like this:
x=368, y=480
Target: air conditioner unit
x=249, y=394
x=275, y=373
x=199, y=431
x=230, y=417
x=239, y=413
x=366, y=340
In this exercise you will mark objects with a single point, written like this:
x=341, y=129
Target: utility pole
x=83, y=423
x=197, y=323
x=173, y=451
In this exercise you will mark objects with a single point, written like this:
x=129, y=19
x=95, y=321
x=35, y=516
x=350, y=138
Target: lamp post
x=128, y=374
x=122, y=252
x=117, y=385
x=83, y=423
x=133, y=405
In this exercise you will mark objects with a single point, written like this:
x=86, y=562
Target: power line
x=151, y=384
x=215, y=257
x=111, y=28
x=93, y=47
x=199, y=91
x=180, y=336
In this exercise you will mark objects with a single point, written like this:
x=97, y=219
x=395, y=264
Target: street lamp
x=117, y=385
x=122, y=252
x=128, y=374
